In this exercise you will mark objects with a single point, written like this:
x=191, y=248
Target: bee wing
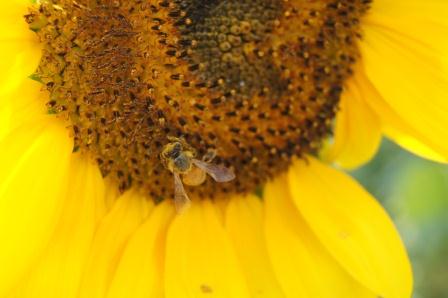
x=209, y=156
x=217, y=172
x=181, y=199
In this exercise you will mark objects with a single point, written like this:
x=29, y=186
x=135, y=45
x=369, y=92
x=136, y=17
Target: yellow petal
x=59, y=269
x=244, y=222
x=24, y=104
x=406, y=138
x=141, y=268
x=112, y=192
x=18, y=61
x=392, y=124
x=357, y=134
x=353, y=227
x=20, y=54
x=20, y=50
x=405, y=56
x=13, y=25
x=302, y=264
x=111, y=237
x=200, y=261
x=33, y=176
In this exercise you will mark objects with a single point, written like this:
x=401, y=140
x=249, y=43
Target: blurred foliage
x=415, y=193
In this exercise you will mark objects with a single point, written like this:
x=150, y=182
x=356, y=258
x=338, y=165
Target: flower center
x=256, y=82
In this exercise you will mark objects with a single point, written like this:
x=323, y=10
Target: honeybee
x=180, y=159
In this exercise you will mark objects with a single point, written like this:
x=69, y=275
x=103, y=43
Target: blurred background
x=415, y=193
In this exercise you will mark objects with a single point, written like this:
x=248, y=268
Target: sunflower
x=92, y=98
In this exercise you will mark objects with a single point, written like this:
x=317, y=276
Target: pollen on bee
x=257, y=81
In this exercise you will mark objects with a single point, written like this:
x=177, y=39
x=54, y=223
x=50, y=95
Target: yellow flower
x=68, y=232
